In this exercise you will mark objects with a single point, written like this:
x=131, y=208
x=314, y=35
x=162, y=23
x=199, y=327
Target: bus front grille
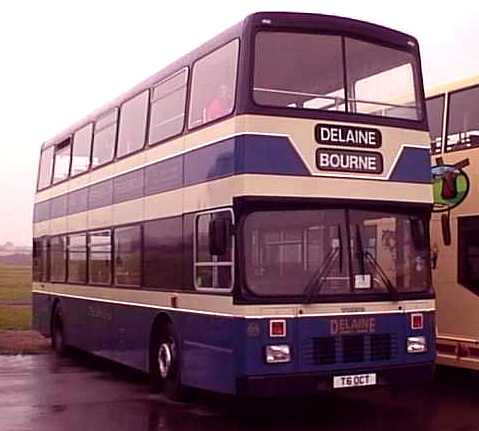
x=350, y=349
x=324, y=350
x=353, y=348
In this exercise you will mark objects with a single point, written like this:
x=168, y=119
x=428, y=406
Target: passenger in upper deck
x=219, y=106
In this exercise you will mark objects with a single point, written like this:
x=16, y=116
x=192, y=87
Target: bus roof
x=452, y=86
x=289, y=20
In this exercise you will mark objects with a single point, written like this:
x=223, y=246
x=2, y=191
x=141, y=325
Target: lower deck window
x=212, y=271
x=58, y=259
x=40, y=259
x=77, y=258
x=128, y=256
x=100, y=257
x=468, y=253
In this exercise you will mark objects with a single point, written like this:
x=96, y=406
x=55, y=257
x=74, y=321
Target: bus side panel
x=88, y=325
x=131, y=330
x=208, y=351
x=41, y=313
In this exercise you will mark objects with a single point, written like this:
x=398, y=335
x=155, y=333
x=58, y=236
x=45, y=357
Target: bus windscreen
x=335, y=252
x=335, y=73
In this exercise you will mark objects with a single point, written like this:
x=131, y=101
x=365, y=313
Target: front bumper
x=311, y=383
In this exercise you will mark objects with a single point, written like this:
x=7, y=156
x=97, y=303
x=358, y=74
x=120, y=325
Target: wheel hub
x=165, y=358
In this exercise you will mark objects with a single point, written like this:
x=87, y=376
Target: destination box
x=367, y=162
x=348, y=136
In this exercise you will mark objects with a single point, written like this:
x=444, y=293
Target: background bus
x=249, y=220
x=453, y=112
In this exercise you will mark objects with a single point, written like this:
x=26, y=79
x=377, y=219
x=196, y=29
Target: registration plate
x=354, y=380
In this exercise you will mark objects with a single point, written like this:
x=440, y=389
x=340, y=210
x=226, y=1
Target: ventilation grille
x=350, y=349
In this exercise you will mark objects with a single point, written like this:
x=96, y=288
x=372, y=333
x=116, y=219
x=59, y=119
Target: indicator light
x=277, y=328
x=417, y=321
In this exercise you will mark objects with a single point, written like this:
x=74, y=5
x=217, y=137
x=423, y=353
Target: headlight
x=416, y=345
x=278, y=354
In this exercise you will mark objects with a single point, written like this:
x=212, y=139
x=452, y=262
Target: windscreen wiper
x=316, y=282
x=382, y=275
x=359, y=250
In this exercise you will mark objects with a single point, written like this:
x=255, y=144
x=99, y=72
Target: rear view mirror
x=219, y=234
x=446, y=229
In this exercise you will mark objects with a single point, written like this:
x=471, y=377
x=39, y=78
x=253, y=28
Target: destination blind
x=342, y=160
x=348, y=136
x=349, y=161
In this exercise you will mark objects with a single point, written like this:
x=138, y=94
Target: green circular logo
x=450, y=186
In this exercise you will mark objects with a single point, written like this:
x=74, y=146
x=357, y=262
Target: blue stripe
x=253, y=154
x=245, y=154
x=413, y=166
x=274, y=155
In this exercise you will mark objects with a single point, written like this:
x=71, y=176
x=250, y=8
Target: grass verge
x=18, y=317
x=15, y=283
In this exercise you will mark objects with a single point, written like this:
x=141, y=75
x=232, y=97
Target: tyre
x=165, y=359
x=58, y=333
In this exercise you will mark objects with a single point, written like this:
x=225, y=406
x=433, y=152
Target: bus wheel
x=165, y=363
x=58, y=334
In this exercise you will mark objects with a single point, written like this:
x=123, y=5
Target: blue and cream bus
x=253, y=219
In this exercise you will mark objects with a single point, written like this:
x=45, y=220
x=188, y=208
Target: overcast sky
x=61, y=60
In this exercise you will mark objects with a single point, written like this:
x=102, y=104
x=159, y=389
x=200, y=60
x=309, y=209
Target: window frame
x=100, y=117
x=461, y=146
x=41, y=265
x=66, y=143
x=213, y=264
x=439, y=149
x=236, y=86
x=50, y=176
x=118, y=126
x=65, y=252
x=68, y=235
x=462, y=255
x=114, y=234
x=90, y=124
x=185, y=107
x=250, y=106
x=89, y=254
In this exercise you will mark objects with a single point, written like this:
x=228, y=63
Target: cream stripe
x=220, y=193
x=223, y=305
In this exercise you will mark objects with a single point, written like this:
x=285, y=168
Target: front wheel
x=165, y=363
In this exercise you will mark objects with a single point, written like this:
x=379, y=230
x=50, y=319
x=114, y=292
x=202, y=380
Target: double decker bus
x=251, y=220
x=453, y=112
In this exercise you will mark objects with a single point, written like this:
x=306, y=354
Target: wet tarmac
x=43, y=392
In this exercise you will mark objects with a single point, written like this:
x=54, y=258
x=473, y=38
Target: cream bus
x=453, y=112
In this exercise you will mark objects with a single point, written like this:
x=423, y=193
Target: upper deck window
x=81, y=149
x=104, y=138
x=131, y=136
x=167, y=109
x=213, y=85
x=463, y=120
x=435, y=113
x=46, y=168
x=308, y=72
x=61, y=168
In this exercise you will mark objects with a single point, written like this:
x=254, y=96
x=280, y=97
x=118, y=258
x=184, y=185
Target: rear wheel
x=165, y=356
x=58, y=333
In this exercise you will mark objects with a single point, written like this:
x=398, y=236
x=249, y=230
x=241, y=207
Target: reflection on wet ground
x=44, y=392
